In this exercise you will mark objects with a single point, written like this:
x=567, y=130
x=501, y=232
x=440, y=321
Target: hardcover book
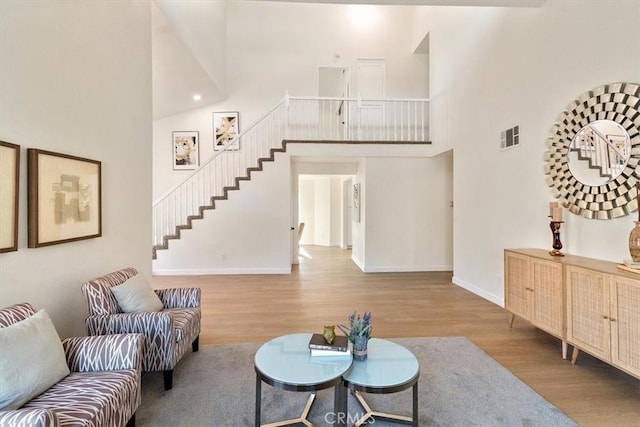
x=318, y=342
x=330, y=353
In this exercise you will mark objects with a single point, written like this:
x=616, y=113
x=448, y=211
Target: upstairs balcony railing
x=293, y=119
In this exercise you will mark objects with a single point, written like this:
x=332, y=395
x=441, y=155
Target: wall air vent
x=510, y=138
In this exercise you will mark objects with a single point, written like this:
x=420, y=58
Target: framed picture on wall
x=64, y=198
x=185, y=147
x=9, y=190
x=226, y=127
x=356, y=202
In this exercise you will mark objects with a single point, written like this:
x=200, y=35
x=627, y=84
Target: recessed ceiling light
x=197, y=97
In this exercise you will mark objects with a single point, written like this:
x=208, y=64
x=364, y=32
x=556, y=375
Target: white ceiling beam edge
x=487, y=3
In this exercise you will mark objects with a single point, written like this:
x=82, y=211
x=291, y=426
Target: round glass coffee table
x=389, y=368
x=286, y=363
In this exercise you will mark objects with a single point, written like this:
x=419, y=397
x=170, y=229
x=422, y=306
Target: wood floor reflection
x=325, y=287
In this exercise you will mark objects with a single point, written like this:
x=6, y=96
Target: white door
x=371, y=88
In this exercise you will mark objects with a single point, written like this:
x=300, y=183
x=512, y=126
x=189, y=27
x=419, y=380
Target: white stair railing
x=293, y=119
x=600, y=152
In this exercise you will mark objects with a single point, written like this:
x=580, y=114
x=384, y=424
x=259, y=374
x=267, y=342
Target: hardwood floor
x=326, y=288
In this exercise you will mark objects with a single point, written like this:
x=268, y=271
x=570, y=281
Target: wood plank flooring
x=326, y=288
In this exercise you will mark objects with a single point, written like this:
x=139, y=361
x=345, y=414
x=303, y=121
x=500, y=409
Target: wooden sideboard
x=588, y=303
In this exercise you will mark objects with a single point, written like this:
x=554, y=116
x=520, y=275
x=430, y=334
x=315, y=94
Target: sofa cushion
x=136, y=295
x=31, y=360
x=105, y=398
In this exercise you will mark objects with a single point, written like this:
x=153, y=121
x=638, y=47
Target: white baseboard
x=357, y=262
x=480, y=292
x=408, y=269
x=220, y=271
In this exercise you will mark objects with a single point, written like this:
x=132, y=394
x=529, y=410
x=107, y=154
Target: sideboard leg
x=513, y=316
x=565, y=348
x=574, y=355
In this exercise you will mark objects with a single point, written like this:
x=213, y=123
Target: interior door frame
x=346, y=87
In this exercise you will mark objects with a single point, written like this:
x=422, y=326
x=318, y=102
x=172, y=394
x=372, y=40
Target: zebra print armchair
x=168, y=332
x=102, y=388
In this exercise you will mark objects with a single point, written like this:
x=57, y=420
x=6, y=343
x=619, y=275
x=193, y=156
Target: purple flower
x=358, y=326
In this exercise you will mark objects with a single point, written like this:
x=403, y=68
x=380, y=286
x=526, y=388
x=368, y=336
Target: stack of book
x=630, y=265
x=319, y=346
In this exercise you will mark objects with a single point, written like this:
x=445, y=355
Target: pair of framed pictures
x=64, y=197
x=186, y=144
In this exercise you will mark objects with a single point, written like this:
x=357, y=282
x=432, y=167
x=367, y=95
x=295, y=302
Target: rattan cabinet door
x=588, y=311
x=548, y=296
x=518, y=292
x=625, y=323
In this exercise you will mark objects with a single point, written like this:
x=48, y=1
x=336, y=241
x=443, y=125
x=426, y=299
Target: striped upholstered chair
x=102, y=388
x=168, y=332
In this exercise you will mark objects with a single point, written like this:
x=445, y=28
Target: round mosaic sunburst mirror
x=609, y=114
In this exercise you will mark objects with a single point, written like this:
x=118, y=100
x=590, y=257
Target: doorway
x=333, y=82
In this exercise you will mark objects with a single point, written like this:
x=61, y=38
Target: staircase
x=293, y=119
x=603, y=153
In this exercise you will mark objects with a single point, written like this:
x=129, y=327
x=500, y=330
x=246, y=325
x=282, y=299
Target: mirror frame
x=619, y=102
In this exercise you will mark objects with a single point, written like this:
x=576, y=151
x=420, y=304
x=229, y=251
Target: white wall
x=75, y=78
x=321, y=209
x=493, y=68
x=408, y=214
x=275, y=47
x=272, y=48
x=247, y=234
x=336, y=210
x=307, y=209
x=322, y=214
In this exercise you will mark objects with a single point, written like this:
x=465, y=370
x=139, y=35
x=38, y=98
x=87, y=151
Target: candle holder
x=557, y=244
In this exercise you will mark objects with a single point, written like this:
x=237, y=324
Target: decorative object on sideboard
x=555, y=213
x=358, y=333
x=634, y=237
x=593, y=152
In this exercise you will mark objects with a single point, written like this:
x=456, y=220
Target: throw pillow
x=135, y=295
x=31, y=360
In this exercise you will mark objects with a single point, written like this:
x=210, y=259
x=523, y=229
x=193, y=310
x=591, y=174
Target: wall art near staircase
x=186, y=146
x=225, y=128
x=64, y=198
x=356, y=202
x=9, y=190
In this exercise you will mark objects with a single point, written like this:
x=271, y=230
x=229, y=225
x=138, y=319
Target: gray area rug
x=460, y=385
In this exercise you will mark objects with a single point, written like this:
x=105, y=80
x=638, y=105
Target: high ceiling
x=184, y=65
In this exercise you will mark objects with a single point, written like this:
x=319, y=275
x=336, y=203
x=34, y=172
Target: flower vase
x=634, y=242
x=360, y=347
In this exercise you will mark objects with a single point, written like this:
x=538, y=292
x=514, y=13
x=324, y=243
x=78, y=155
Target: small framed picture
x=186, y=146
x=356, y=202
x=225, y=129
x=64, y=198
x=9, y=190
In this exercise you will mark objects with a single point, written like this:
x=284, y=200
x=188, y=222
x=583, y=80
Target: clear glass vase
x=634, y=242
x=360, y=348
